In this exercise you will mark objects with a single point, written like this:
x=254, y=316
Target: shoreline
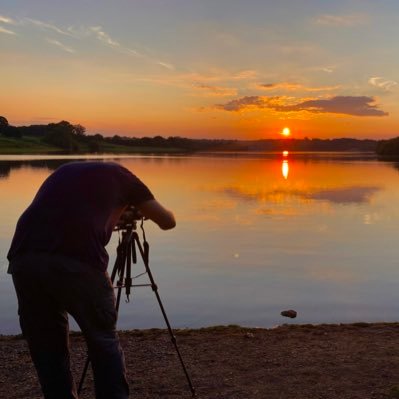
x=220, y=328
x=301, y=361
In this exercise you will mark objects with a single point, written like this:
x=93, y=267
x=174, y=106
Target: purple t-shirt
x=73, y=213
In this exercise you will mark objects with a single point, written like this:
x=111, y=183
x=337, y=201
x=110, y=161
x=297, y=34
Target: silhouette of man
x=58, y=264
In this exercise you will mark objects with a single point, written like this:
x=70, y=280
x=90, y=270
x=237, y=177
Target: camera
x=128, y=218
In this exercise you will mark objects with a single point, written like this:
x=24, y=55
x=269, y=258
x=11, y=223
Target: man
x=58, y=263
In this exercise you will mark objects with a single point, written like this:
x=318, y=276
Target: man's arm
x=154, y=211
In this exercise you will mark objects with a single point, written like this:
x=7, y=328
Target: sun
x=286, y=132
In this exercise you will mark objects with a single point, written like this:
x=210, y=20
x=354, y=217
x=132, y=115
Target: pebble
x=289, y=313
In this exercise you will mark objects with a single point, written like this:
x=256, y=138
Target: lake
x=256, y=234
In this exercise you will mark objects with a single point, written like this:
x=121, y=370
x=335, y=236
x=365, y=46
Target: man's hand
x=153, y=210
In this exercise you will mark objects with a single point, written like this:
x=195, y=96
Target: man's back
x=75, y=210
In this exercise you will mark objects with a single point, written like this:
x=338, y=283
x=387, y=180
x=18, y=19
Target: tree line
x=388, y=148
x=73, y=138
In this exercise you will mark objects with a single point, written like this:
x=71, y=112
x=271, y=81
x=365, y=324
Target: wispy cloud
x=61, y=45
x=6, y=31
x=382, y=83
x=341, y=20
x=294, y=86
x=166, y=65
x=214, y=91
x=7, y=20
x=245, y=74
x=214, y=83
x=325, y=68
x=347, y=105
x=47, y=26
x=79, y=34
x=105, y=38
x=30, y=22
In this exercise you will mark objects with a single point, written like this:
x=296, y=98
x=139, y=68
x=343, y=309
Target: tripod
x=126, y=254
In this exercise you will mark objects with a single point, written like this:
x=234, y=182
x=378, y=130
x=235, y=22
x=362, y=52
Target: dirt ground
x=353, y=361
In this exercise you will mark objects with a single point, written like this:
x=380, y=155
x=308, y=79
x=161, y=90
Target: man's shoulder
x=91, y=167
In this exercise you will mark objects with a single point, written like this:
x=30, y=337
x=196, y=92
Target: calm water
x=255, y=235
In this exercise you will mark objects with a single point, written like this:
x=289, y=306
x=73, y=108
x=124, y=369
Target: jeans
x=45, y=295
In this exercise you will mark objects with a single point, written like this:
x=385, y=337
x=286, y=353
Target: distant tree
x=159, y=141
x=61, y=135
x=3, y=124
x=12, y=132
x=61, y=140
x=95, y=143
x=79, y=130
x=34, y=130
x=63, y=126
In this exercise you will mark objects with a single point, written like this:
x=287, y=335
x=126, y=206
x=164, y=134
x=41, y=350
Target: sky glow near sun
x=205, y=70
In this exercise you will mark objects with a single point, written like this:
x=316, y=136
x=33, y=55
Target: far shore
x=328, y=361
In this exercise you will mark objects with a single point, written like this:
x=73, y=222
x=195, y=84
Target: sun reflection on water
x=285, y=167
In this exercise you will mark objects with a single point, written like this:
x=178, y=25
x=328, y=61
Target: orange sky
x=209, y=70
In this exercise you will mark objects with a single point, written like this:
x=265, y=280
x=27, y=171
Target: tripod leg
x=144, y=251
x=125, y=263
x=128, y=277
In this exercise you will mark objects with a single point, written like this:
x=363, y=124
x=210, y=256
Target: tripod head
x=129, y=219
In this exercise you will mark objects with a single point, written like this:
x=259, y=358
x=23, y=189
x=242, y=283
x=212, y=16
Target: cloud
x=341, y=20
x=215, y=82
x=61, y=45
x=47, y=26
x=215, y=91
x=105, y=38
x=382, y=83
x=294, y=86
x=6, y=31
x=347, y=105
x=280, y=85
x=78, y=34
x=326, y=68
x=245, y=74
x=244, y=103
x=7, y=20
x=166, y=65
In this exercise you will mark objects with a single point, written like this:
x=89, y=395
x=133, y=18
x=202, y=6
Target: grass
x=25, y=145
x=33, y=145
